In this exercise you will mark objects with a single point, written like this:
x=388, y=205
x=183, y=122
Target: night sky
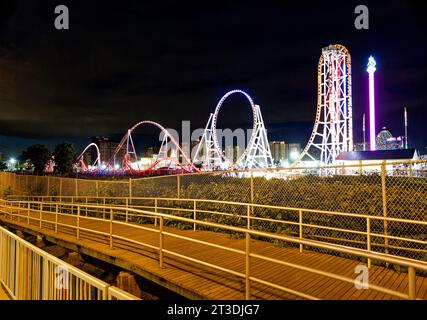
x=168, y=61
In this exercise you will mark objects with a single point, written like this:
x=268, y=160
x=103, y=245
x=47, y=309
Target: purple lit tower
x=371, y=70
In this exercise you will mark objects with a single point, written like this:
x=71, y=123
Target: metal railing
x=45, y=215
x=349, y=229
x=29, y=273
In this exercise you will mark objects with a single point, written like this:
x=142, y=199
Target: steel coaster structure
x=96, y=165
x=257, y=153
x=168, y=155
x=333, y=127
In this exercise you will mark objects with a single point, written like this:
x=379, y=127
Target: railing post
x=412, y=277
x=127, y=206
x=384, y=198
x=368, y=238
x=161, y=243
x=56, y=218
x=300, y=229
x=45, y=279
x=78, y=222
x=194, y=216
x=40, y=214
x=103, y=209
x=111, y=228
x=28, y=213
x=248, y=266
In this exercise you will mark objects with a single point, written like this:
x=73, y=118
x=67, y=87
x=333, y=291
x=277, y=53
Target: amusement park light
x=104, y=166
x=116, y=166
x=371, y=70
x=12, y=161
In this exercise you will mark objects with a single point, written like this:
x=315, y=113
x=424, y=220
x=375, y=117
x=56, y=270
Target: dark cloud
x=124, y=61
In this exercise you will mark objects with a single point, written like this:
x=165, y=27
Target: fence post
x=361, y=167
x=155, y=210
x=161, y=243
x=300, y=229
x=384, y=197
x=77, y=191
x=178, y=185
x=248, y=266
x=103, y=209
x=410, y=169
x=412, y=283
x=368, y=238
x=111, y=228
x=248, y=217
x=48, y=186
x=28, y=213
x=130, y=187
x=60, y=189
x=252, y=188
x=97, y=190
x=127, y=206
x=194, y=216
x=78, y=222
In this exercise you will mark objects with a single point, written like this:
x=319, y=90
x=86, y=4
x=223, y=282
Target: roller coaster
x=332, y=132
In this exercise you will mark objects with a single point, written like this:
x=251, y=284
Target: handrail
x=254, y=205
x=130, y=202
x=411, y=264
x=55, y=272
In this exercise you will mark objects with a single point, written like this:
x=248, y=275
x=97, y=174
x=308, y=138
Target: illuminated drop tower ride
x=372, y=131
x=333, y=127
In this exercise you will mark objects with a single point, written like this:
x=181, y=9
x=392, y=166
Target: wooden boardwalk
x=199, y=282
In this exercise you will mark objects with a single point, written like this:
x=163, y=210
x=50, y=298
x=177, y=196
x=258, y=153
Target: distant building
x=278, y=151
x=107, y=148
